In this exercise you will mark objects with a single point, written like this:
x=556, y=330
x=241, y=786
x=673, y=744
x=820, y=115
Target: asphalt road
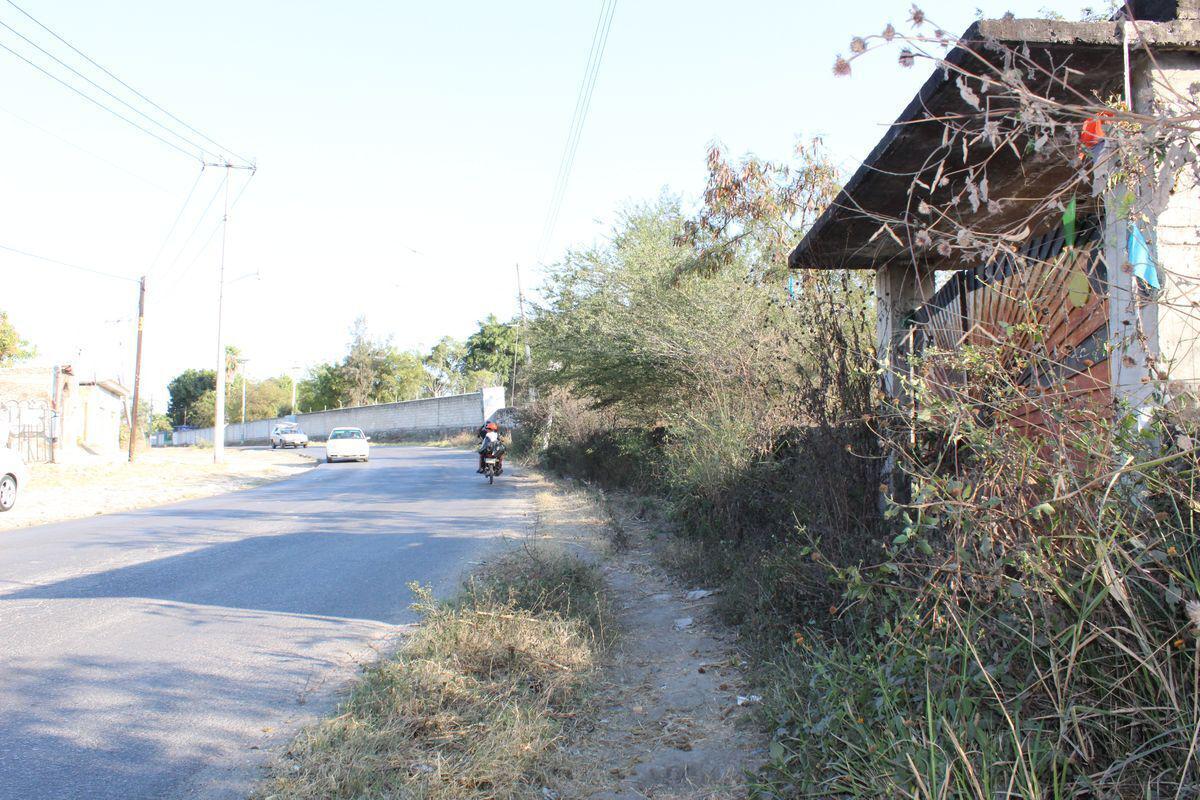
x=163, y=653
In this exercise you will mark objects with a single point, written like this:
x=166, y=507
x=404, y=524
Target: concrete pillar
x=900, y=289
x=1131, y=322
x=1156, y=333
x=491, y=400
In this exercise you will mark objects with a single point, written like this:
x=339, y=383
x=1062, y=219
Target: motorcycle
x=492, y=465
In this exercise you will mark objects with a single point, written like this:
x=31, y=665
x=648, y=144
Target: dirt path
x=59, y=492
x=668, y=721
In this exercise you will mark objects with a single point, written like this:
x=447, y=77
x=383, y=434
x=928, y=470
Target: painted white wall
x=430, y=415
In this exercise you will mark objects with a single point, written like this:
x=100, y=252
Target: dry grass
x=460, y=439
x=474, y=704
x=545, y=581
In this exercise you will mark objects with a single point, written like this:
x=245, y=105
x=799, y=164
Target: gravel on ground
x=57, y=492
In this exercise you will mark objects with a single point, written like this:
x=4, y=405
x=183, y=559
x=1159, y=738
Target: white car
x=13, y=476
x=347, y=443
x=288, y=436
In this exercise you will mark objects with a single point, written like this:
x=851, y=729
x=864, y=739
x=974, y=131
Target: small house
x=49, y=414
x=972, y=226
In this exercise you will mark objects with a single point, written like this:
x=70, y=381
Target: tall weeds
x=1032, y=629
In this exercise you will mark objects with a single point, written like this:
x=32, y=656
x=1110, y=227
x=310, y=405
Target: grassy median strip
x=475, y=702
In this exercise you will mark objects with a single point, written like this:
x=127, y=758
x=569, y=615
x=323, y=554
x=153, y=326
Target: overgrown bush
x=675, y=360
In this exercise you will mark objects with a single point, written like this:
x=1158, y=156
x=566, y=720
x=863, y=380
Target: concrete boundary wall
x=433, y=415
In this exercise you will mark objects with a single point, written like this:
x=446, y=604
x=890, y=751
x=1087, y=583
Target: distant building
x=49, y=414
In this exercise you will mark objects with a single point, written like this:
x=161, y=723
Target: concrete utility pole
x=295, y=372
x=219, y=410
x=137, y=369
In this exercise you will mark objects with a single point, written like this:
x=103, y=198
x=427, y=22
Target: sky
x=406, y=155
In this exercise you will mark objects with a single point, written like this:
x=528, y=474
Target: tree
x=373, y=371
x=362, y=365
x=269, y=398
x=323, y=388
x=265, y=399
x=202, y=412
x=12, y=346
x=232, y=354
x=185, y=389
x=402, y=376
x=492, y=349
x=444, y=364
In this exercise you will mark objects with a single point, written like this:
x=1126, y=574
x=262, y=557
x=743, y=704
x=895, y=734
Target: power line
x=91, y=270
x=551, y=211
x=91, y=61
x=196, y=228
x=91, y=99
x=212, y=235
x=570, y=166
x=84, y=150
x=120, y=100
x=174, y=224
x=583, y=102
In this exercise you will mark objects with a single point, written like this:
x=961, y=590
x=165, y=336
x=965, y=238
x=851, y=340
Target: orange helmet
x=491, y=426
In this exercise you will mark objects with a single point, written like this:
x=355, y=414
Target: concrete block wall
x=1157, y=335
x=428, y=416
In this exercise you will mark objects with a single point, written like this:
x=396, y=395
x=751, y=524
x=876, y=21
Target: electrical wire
x=91, y=61
x=212, y=234
x=572, y=129
x=587, y=70
x=196, y=228
x=583, y=102
x=579, y=133
x=91, y=270
x=179, y=216
x=587, y=105
x=85, y=151
x=91, y=99
x=122, y=101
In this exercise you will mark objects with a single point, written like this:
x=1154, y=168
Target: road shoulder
x=60, y=492
x=667, y=719
x=570, y=665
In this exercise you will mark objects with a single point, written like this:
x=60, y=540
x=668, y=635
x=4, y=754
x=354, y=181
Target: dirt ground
x=57, y=492
x=666, y=720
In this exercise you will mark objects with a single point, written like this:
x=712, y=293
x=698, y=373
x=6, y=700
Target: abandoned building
x=1112, y=332
x=50, y=414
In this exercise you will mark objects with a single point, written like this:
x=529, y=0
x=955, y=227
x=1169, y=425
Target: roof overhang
x=849, y=234
x=112, y=387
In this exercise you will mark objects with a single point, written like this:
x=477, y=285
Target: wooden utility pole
x=137, y=368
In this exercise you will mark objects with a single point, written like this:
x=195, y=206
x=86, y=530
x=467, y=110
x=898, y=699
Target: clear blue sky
x=381, y=128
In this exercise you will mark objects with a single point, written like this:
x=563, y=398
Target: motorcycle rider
x=491, y=446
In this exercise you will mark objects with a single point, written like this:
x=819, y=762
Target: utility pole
x=219, y=410
x=242, y=370
x=525, y=338
x=137, y=368
x=295, y=372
